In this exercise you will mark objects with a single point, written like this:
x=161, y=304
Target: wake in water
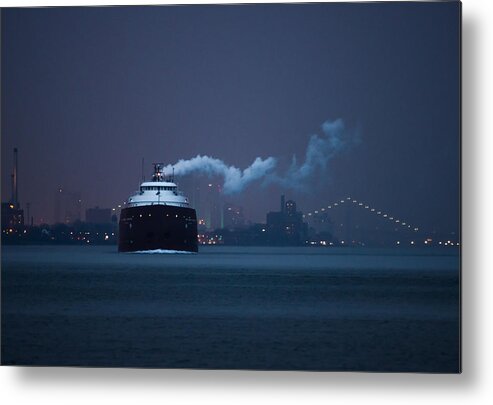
x=163, y=251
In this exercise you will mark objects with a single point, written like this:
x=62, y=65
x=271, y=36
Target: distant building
x=12, y=217
x=286, y=227
x=321, y=222
x=233, y=216
x=98, y=215
x=206, y=198
x=67, y=207
x=12, y=214
x=210, y=209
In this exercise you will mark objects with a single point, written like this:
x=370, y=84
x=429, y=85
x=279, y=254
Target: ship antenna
x=173, y=178
x=143, y=176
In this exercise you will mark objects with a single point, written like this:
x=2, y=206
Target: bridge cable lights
x=365, y=206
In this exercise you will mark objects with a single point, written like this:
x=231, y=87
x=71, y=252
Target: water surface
x=232, y=307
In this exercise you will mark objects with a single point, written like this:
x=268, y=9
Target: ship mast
x=158, y=172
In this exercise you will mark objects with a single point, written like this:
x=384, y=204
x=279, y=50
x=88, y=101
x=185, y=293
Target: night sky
x=88, y=92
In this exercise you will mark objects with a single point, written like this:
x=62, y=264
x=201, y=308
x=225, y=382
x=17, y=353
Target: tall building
x=98, y=215
x=286, y=227
x=233, y=216
x=67, y=206
x=210, y=207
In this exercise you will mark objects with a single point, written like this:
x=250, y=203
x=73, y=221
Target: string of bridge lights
x=381, y=213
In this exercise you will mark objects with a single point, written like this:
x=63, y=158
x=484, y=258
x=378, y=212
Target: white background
x=128, y=386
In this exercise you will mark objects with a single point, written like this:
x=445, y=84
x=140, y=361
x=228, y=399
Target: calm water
x=229, y=307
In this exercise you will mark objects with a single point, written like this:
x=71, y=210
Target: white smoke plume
x=320, y=150
x=235, y=180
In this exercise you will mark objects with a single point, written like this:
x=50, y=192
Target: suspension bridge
x=392, y=228
x=364, y=206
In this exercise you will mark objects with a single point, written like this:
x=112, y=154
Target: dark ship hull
x=158, y=226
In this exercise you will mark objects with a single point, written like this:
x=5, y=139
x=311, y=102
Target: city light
x=320, y=226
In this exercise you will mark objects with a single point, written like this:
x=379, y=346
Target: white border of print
x=130, y=386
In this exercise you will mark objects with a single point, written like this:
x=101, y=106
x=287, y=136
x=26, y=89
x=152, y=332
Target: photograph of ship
x=263, y=187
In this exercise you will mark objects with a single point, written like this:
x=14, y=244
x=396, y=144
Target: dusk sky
x=88, y=92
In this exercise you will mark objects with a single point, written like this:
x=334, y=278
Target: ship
x=158, y=217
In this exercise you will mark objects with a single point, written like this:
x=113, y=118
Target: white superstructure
x=158, y=191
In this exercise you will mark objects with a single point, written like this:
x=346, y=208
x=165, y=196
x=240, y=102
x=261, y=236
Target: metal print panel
x=269, y=187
